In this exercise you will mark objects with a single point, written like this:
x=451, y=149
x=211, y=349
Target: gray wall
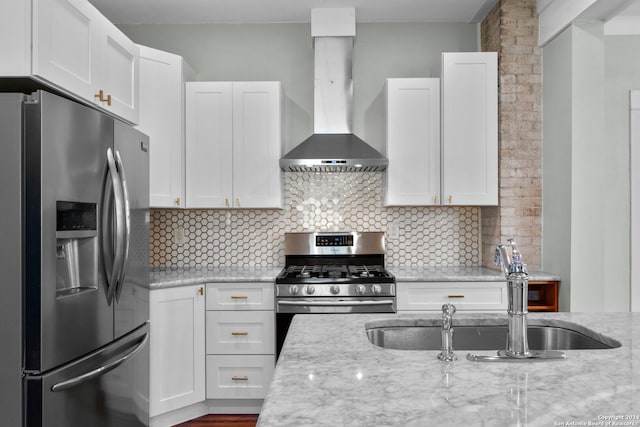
x=284, y=52
x=587, y=78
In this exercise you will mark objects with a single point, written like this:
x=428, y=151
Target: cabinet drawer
x=240, y=296
x=430, y=296
x=239, y=377
x=240, y=332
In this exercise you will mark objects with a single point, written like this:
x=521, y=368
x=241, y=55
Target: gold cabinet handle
x=450, y=199
x=177, y=201
x=226, y=202
x=435, y=200
x=100, y=96
x=237, y=202
x=201, y=291
x=455, y=296
x=239, y=297
x=240, y=378
x=239, y=334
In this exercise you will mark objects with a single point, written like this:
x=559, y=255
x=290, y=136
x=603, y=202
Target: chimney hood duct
x=333, y=147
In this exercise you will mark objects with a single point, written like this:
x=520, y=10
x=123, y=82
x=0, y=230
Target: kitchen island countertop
x=330, y=375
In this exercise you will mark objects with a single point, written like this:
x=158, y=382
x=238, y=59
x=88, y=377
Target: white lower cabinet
x=177, y=362
x=240, y=342
x=466, y=296
x=239, y=376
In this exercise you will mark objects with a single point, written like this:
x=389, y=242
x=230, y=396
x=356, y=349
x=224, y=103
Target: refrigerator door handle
x=127, y=225
x=88, y=376
x=115, y=257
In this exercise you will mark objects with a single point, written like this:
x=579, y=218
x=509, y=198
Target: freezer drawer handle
x=240, y=378
x=80, y=379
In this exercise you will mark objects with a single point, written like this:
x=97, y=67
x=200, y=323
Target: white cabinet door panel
x=118, y=72
x=65, y=44
x=162, y=117
x=209, y=144
x=413, y=142
x=256, y=144
x=177, y=362
x=470, y=128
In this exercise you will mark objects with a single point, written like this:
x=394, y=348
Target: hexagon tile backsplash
x=315, y=201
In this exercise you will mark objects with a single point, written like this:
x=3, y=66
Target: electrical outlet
x=394, y=231
x=178, y=236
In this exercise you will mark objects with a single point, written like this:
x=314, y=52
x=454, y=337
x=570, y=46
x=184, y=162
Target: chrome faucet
x=446, y=333
x=517, y=309
x=517, y=299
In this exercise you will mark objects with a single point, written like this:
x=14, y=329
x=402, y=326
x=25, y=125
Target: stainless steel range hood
x=333, y=147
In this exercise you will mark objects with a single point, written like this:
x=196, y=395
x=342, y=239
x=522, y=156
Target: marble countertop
x=330, y=375
x=169, y=277
x=458, y=273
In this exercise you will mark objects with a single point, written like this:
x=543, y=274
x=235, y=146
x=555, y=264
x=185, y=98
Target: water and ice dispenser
x=76, y=248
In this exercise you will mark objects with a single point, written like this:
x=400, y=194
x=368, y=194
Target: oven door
x=336, y=305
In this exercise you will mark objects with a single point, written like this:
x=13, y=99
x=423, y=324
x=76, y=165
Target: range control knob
x=335, y=289
x=376, y=289
x=293, y=290
x=311, y=289
x=361, y=289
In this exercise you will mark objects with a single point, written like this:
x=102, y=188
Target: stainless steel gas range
x=333, y=272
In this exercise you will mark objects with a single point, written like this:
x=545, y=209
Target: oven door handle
x=337, y=303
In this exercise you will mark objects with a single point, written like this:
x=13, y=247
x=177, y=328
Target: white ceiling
x=261, y=11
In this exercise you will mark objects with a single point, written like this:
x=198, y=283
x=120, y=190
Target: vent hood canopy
x=333, y=147
x=343, y=152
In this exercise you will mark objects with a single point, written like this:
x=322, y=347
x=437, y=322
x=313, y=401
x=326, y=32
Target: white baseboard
x=177, y=416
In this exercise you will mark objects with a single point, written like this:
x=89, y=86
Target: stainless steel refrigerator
x=74, y=256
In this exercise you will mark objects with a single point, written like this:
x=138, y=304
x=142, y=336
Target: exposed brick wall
x=511, y=29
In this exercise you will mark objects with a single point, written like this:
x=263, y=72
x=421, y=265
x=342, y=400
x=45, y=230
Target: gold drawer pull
x=455, y=296
x=238, y=378
x=239, y=297
x=239, y=333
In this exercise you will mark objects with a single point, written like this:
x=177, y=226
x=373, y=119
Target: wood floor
x=222, y=421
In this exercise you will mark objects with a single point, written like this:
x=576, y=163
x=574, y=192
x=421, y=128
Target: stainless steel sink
x=552, y=335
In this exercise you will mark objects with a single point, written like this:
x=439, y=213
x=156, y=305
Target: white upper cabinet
x=162, y=78
x=117, y=74
x=209, y=133
x=65, y=44
x=233, y=145
x=71, y=47
x=413, y=142
x=470, y=128
x=442, y=135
